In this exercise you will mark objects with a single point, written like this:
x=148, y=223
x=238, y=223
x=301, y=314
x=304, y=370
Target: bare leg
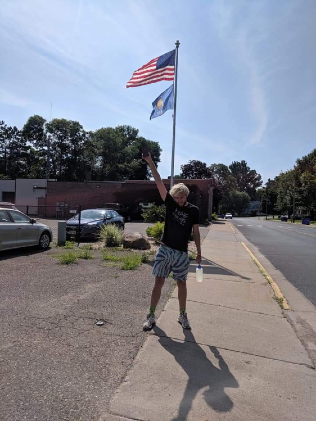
x=182, y=294
x=156, y=292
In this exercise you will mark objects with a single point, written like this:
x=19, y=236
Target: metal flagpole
x=174, y=114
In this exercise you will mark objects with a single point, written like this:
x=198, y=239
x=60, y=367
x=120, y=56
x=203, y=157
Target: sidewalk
x=241, y=361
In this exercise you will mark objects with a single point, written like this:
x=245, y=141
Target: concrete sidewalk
x=241, y=361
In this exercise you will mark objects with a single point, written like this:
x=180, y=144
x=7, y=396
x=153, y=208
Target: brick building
x=63, y=196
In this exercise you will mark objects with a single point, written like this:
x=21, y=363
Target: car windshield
x=91, y=214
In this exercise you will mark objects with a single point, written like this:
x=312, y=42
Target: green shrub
x=155, y=214
x=156, y=230
x=69, y=245
x=68, y=258
x=131, y=261
x=214, y=216
x=112, y=235
x=85, y=254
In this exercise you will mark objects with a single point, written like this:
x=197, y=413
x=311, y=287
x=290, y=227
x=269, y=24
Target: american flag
x=158, y=69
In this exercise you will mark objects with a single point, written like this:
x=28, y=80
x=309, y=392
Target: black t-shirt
x=178, y=224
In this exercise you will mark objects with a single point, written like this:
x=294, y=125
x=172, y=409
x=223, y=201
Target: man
x=172, y=255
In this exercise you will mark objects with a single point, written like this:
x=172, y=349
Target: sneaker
x=184, y=321
x=150, y=322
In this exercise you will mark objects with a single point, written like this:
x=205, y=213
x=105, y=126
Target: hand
x=146, y=155
x=198, y=259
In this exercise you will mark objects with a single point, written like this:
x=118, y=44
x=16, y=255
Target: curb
x=277, y=292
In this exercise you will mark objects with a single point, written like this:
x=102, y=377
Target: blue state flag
x=163, y=103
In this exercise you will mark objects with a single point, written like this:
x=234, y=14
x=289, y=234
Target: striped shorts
x=170, y=260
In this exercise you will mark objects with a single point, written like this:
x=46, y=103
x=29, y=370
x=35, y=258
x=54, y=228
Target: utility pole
x=266, y=204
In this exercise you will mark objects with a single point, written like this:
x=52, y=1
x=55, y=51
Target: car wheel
x=44, y=241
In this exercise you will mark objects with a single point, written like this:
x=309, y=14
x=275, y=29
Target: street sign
x=73, y=211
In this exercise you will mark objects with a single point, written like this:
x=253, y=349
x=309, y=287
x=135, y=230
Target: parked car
x=7, y=205
x=228, y=216
x=19, y=230
x=119, y=208
x=91, y=221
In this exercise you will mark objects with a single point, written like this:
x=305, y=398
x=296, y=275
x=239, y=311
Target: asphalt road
x=290, y=248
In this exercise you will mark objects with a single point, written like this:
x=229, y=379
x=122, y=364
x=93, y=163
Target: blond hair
x=179, y=188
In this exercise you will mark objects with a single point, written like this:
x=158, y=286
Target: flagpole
x=174, y=114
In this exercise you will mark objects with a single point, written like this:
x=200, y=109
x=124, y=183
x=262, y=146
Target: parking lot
x=55, y=362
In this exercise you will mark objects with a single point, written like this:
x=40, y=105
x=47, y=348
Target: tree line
x=62, y=150
x=237, y=185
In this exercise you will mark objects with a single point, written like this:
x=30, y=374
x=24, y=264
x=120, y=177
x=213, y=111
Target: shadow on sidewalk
x=202, y=373
x=212, y=268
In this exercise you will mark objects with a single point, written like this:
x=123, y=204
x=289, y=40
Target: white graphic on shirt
x=180, y=216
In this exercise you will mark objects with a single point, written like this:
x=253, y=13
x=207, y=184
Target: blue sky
x=246, y=85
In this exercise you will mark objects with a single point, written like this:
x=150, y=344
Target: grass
x=110, y=257
x=69, y=245
x=279, y=301
x=128, y=262
x=85, y=254
x=192, y=256
x=87, y=247
x=131, y=262
x=68, y=258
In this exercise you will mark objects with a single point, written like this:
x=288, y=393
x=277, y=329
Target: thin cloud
x=240, y=40
x=9, y=98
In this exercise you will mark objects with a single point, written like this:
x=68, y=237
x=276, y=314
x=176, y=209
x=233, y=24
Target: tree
x=120, y=154
x=34, y=131
x=195, y=170
x=67, y=143
x=247, y=180
x=38, y=154
x=306, y=174
x=13, y=151
x=224, y=182
x=236, y=202
x=268, y=197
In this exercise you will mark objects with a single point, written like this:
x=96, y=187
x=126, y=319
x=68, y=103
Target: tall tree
x=38, y=154
x=247, y=180
x=235, y=202
x=13, y=151
x=120, y=153
x=67, y=141
x=306, y=174
x=195, y=169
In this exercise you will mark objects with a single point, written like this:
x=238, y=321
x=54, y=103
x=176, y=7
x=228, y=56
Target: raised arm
x=161, y=187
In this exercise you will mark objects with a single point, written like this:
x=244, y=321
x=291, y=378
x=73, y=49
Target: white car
x=18, y=230
x=228, y=216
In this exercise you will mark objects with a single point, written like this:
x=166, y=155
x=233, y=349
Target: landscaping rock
x=136, y=240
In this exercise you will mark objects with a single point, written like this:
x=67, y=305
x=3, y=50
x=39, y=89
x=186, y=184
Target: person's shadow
x=201, y=373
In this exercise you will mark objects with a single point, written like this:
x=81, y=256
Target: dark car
x=91, y=221
x=118, y=207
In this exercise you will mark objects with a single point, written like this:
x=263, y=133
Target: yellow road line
x=277, y=292
x=232, y=227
